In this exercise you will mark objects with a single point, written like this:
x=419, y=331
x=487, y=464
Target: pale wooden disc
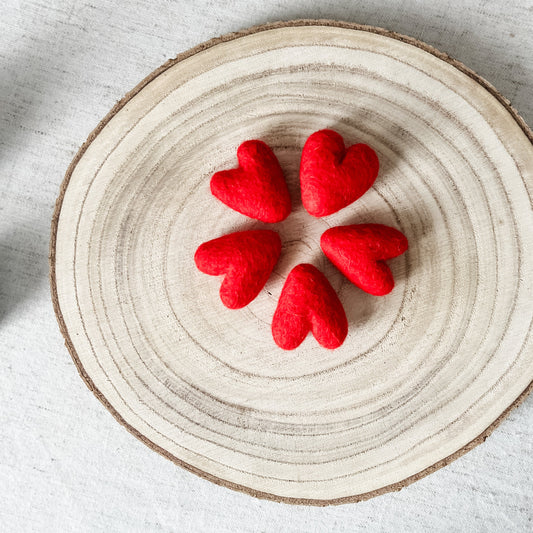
x=425, y=373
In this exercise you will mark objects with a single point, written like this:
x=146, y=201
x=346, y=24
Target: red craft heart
x=247, y=258
x=360, y=251
x=308, y=303
x=331, y=176
x=257, y=187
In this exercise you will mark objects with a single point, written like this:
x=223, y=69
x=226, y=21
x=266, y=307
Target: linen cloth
x=65, y=463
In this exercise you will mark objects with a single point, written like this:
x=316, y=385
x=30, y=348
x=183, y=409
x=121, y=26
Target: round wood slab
x=425, y=373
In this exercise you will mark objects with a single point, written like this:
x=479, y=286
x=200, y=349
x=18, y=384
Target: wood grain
x=425, y=373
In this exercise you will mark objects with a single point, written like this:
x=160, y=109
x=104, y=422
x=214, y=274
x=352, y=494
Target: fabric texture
x=66, y=465
x=308, y=303
x=245, y=258
x=359, y=251
x=333, y=176
x=257, y=187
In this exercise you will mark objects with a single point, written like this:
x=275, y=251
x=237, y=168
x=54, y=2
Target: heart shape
x=359, y=252
x=308, y=303
x=257, y=187
x=331, y=176
x=247, y=259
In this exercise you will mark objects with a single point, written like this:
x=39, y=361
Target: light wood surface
x=425, y=373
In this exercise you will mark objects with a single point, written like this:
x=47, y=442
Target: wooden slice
x=425, y=373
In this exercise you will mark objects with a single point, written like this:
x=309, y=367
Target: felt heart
x=331, y=176
x=360, y=251
x=308, y=303
x=257, y=187
x=247, y=259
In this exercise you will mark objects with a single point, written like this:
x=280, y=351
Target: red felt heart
x=331, y=176
x=257, y=187
x=360, y=251
x=247, y=258
x=308, y=303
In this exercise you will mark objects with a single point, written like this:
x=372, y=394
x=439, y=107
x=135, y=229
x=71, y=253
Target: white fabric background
x=65, y=464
